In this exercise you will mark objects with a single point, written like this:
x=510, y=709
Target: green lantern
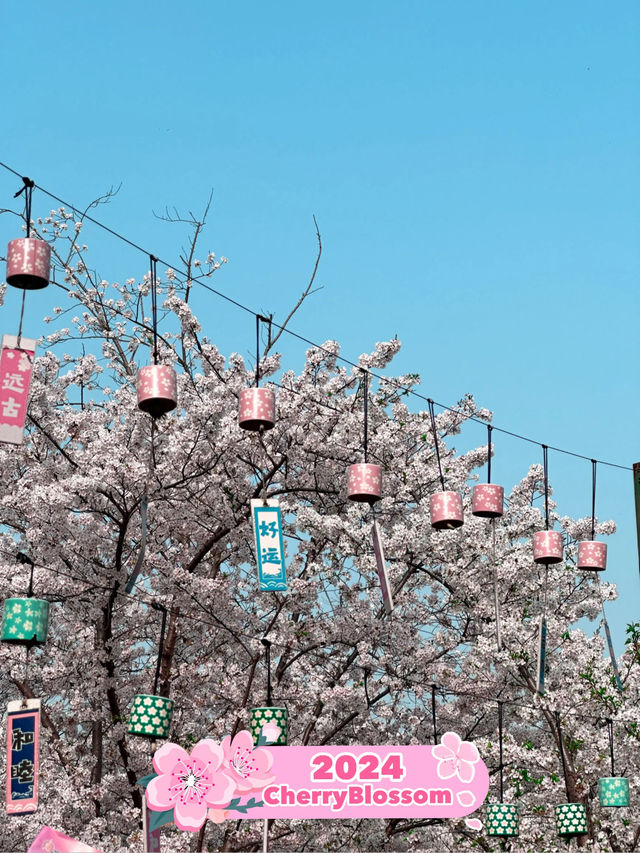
x=502, y=819
x=571, y=819
x=25, y=621
x=271, y=723
x=613, y=791
x=150, y=716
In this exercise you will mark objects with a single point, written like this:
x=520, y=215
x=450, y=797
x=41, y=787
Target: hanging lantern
x=150, y=716
x=28, y=263
x=25, y=621
x=446, y=510
x=592, y=556
x=547, y=547
x=157, y=389
x=613, y=791
x=502, y=819
x=271, y=724
x=365, y=482
x=257, y=409
x=571, y=819
x=487, y=500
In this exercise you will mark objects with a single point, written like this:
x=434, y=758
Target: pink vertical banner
x=23, y=735
x=383, y=575
x=16, y=367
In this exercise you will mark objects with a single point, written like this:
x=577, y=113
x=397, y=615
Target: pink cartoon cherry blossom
x=456, y=757
x=190, y=784
x=248, y=766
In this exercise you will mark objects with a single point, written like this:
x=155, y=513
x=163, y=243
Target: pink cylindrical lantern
x=365, y=482
x=592, y=556
x=446, y=510
x=547, y=547
x=157, y=389
x=28, y=262
x=487, y=500
x=257, y=409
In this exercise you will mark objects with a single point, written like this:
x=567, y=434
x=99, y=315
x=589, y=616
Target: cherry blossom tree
x=71, y=499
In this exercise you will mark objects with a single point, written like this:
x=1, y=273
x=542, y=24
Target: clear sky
x=473, y=168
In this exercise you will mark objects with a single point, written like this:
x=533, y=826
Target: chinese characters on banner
x=267, y=529
x=23, y=731
x=16, y=366
x=383, y=575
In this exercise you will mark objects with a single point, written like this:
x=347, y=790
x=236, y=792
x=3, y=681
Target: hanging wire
x=153, y=261
x=25, y=560
x=500, y=737
x=433, y=713
x=564, y=763
x=545, y=464
x=267, y=650
x=366, y=415
x=610, y=729
x=593, y=499
x=199, y=280
x=27, y=189
x=163, y=609
x=435, y=441
x=489, y=431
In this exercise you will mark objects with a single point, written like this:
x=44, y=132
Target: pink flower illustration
x=473, y=823
x=190, y=783
x=248, y=766
x=456, y=757
x=270, y=732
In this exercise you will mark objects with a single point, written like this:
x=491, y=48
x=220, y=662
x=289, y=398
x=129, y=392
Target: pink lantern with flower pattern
x=157, y=389
x=365, y=482
x=257, y=409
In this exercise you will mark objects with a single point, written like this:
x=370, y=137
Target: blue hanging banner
x=267, y=530
x=23, y=734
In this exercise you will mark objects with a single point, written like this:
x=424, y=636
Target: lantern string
x=199, y=280
x=27, y=189
x=545, y=464
x=435, y=441
x=500, y=737
x=433, y=713
x=163, y=626
x=24, y=559
x=610, y=728
x=564, y=764
x=489, y=431
x=19, y=341
x=153, y=261
x=593, y=499
x=366, y=415
x=267, y=647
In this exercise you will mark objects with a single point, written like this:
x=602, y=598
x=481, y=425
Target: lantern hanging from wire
x=365, y=478
x=445, y=506
x=269, y=722
x=156, y=383
x=257, y=406
x=487, y=499
x=503, y=819
x=151, y=714
x=613, y=791
x=25, y=621
x=592, y=555
x=547, y=544
x=571, y=818
x=28, y=258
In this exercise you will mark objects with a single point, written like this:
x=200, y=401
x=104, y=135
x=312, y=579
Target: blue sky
x=473, y=169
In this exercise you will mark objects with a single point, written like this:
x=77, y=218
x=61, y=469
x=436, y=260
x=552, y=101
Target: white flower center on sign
x=191, y=781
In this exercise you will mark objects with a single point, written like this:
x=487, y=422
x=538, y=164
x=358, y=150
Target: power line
x=199, y=280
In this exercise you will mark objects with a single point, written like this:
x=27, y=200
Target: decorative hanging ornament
x=16, y=367
x=267, y=531
x=25, y=621
x=365, y=478
x=151, y=714
x=547, y=544
x=571, y=818
x=487, y=498
x=613, y=791
x=445, y=507
x=592, y=555
x=269, y=723
x=23, y=752
x=156, y=384
x=503, y=819
x=257, y=406
x=28, y=259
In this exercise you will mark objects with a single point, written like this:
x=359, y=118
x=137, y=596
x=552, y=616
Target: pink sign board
x=445, y=781
x=51, y=841
x=16, y=366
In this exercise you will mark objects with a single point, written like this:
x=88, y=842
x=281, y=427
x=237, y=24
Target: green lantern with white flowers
x=613, y=791
x=502, y=820
x=150, y=714
x=269, y=723
x=571, y=819
x=25, y=621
